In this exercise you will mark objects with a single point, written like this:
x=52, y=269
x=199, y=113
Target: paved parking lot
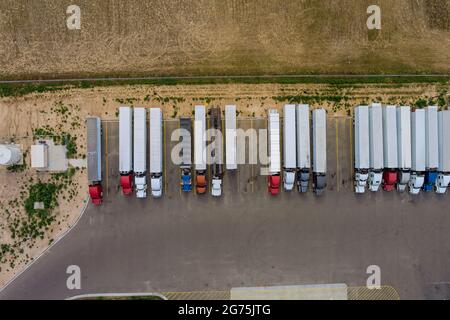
x=187, y=242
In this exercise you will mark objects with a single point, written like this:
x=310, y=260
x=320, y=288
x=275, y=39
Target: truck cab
x=389, y=180
x=442, y=182
x=216, y=187
x=416, y=183
x=200, y=183
x=186, y=180
x=289, y=180
x=156, y=184
x=319, y=183
x=141, y=186
x=375, y=179
x=274, y=184
x=361, y=181
x=126, y=182
x=303, y=180
x=430, y=180
x=96, y=193
x=403, y=179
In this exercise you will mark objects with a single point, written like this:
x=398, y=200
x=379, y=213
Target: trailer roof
x=319, y=141
x=200, y=138
x=230, y=137
x=125, y=139
x=156, y=141
x=289, y=137
x=418, y=140
x=404, y=137
x=390, y=137
x=140, y=140
x=303, y=137
x=274, y=141
x=362, y=137
x=94, y=158
x=431, y=138
x=376, y=136
x=444, y=140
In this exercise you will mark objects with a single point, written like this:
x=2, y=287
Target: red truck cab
x=274, y=184
x=126, y=183
x=389, y=180
x=96, y=193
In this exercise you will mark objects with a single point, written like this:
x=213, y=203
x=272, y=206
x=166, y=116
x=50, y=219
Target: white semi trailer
x=431, y=147
x=126, y=149
x=319, y=118
x=274, y=152
x=290, y=147
x=417, y=151
x=156, y=152
x=200, y=149
x=375, y=146
x=390, y=152
x=140, y=152
x=230, y=137
x=443, y=178
x=303, y=147
x=362, y=156
x=404, y=146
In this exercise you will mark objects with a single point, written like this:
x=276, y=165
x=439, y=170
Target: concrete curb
x=83, y=209
x=134, y=294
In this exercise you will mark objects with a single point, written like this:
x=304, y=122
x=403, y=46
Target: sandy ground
x=222, y=37
x=20, y=115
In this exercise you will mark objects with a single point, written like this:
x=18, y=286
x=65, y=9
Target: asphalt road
x=188, y=242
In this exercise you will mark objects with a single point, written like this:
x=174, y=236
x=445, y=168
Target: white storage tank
x=10, y=155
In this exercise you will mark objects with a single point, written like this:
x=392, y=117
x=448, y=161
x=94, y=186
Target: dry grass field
x=222, y=37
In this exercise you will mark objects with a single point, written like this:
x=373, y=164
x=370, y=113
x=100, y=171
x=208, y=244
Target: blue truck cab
x=186, y=180
x=430, y=180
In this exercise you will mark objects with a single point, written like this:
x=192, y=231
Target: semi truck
x=126, y=149
x=94, y=159
x=362, y=152
x=186, y=157
x=376, y=159
x=443, y=178
x=404, y=147
x=200, y=149
x=230, y=137
x=390, y=152
x=417, y=151
x=140, y=152
x=303, y=147
x=319, y=118
x=289, y=147
x=274, y=152
x=216, y=156
x=156, y=152
x=431, y=147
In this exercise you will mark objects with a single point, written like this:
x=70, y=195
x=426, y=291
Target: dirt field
x=222, y=37
x=20, y=116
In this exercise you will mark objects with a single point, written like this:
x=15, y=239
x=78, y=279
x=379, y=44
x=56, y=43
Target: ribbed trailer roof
x=303, y=137
x=94, y=149
x=156, y=141
x=230, y=137
x=289, y=137
x=376, y=136
x=125, y=139
x=274, y=141
x=404, y=137
x=431, y=138
x=140, y=140
x=418, y=140
x=362, y=137
x=200, y=138
x=319, y=118
x=390, y=137
x=186, y=145
x=444, y=140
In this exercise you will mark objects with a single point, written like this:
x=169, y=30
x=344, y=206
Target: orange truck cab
x=201, y=183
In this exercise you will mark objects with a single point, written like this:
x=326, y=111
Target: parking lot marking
x=106, y=158
x=337, y=152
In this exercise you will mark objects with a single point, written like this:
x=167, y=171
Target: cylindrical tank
x=9, y=154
